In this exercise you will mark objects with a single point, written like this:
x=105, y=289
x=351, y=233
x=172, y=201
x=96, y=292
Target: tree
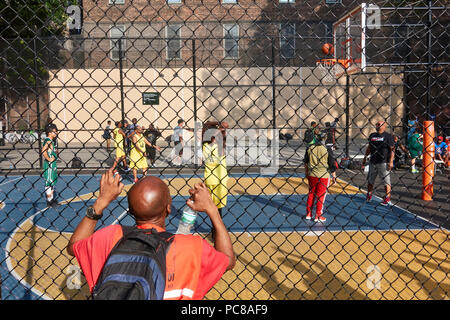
x=28, y=29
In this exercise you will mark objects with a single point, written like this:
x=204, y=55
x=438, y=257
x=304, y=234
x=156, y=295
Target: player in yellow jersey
x=119, y=139
x=138, y=157
x=216, y=173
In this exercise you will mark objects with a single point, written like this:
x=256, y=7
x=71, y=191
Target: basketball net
x=330, y=70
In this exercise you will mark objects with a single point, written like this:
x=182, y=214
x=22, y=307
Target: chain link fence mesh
x=259, y=66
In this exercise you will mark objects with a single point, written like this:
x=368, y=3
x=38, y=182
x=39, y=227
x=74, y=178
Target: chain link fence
x=261, y=67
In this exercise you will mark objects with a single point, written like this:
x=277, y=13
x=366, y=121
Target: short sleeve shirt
x=177, y=133
x=193, y=266
x=441, y=148
x=380, y=147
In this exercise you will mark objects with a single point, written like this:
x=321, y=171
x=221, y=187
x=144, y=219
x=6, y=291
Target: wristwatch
x=90, y=213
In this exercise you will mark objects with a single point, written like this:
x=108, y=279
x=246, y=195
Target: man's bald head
x=149, y=200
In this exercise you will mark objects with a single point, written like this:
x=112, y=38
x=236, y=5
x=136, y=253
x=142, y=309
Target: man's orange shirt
x=193, y=266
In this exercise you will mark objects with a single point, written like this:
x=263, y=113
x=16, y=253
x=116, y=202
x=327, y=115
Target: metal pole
x=197, y=144
x=122, y=106
x=274, y=124
x=429, y=61
x=194, y=69
x=38, y=110
x=347, y=115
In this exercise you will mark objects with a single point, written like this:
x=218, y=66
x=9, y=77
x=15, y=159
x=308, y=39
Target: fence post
x=274, y=124
x=429, y=62
x=38, y=109
x=122, y=106
x=347, y=115
x=194, y=74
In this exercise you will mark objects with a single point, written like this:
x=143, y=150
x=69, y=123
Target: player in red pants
x=319, y=162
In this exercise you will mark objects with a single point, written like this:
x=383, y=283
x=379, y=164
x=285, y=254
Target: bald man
x=150, y=204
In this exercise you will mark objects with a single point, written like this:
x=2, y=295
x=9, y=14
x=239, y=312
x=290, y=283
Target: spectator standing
x=152, y=134
x=178, y=139
x=193, y=266
x=319, y=163
x=107, y=134
x=415, y=147
x=132, y=127
x=441, y=150
x=398, y=148
x=381, y=151
x=329, y=141
x=335, y=131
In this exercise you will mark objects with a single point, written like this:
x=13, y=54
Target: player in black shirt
x=381, y=151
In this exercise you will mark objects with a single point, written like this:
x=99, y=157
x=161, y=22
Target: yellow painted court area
x=293, y=265
x=409, y=264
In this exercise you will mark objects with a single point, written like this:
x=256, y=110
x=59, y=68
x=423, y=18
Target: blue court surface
x=23, y=200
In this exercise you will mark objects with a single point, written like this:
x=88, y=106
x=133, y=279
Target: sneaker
x=386, y=201
x=414, y=171
x=320, y=219
x=308, y=216
x=52, y=203
x=136, y=180
x=369, y=197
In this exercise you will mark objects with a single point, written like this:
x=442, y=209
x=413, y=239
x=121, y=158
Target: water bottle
x=187, y=221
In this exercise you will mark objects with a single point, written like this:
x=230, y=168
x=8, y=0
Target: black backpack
x=76, y=163
x=136, y=267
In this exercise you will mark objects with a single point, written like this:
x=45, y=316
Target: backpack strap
x=165, y=236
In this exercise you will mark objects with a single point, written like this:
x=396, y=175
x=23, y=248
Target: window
x=173, y=1
x=287, y=39
x=287, y=1
x=117, y=32
x=229, y=1
x=231, y=41
x=173, y=36
x=116, y=1
x=333, y=1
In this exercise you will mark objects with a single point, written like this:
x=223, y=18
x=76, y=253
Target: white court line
x=394, y=205
x=120, y=217
x=2, y=184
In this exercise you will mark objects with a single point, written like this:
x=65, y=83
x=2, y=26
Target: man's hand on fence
x=110, y=189
x=200, y=198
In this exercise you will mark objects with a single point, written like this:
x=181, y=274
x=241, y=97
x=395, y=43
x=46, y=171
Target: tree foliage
x=26, y=30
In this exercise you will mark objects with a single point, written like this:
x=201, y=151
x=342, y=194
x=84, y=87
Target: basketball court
x=280, y=254
x=270, y=83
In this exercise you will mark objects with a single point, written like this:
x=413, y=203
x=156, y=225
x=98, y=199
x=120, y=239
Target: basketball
x=328, y=48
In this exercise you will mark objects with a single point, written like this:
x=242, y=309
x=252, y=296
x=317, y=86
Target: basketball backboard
x=350, y=36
